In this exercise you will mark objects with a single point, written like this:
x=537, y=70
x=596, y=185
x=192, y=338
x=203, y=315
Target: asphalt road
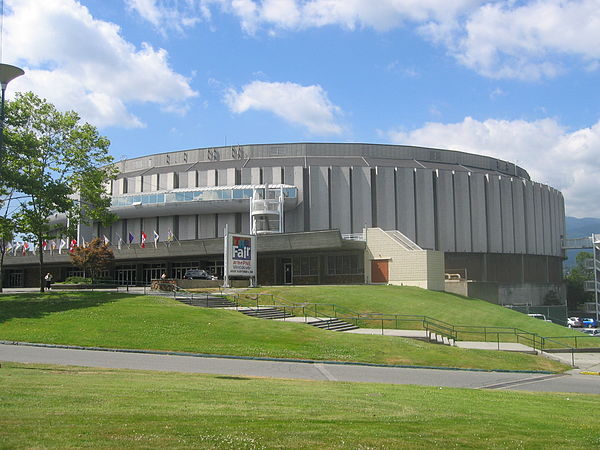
x=571, y=382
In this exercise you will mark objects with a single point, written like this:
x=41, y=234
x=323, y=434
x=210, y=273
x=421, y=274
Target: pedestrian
x=48, y=279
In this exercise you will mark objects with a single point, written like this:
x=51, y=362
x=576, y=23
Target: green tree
x=7, y=227
x=575, y=280
x=94, y=258
x=59, y=166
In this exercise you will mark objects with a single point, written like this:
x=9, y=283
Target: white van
x=540, y=316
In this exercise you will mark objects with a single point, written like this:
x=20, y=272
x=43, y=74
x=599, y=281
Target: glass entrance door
x=126, y=275
x=15, y=279
x=287, y=273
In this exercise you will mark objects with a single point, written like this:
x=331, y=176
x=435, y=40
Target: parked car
x=589, y=322
x=574, y=322
x=591, y=331
x=540, y=317
x=198, y=274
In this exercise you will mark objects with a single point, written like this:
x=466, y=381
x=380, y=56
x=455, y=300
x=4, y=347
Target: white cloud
x=171, y=14
x=350, y=14
x=80, y=63
x=528, y=39
x=566, y=160
x=307, y=106
x=147, y=9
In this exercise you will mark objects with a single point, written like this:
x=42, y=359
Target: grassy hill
x=406, y=300
x=146, y=322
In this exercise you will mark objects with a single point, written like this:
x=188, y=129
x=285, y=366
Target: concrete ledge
x=77, y=287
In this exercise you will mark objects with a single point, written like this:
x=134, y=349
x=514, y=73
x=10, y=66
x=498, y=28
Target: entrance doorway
x=126, y=275
x=15, y=279
x=287, y=273
x=379, y=271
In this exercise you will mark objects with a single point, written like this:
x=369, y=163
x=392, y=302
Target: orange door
x=379, y=271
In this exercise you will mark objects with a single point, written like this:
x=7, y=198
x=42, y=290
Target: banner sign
x=240, y=255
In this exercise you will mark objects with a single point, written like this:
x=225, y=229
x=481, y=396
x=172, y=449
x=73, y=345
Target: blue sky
x=512, y=79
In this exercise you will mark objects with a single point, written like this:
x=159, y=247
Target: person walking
x=48, y=279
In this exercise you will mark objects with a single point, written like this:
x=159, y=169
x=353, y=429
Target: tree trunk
x=2, y=268
x=42, y=276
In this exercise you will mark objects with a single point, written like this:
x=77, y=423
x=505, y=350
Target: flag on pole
x=106, y=240
x=119, y=242
x=25, y=248
x=32, y=248
x=131, y=238
x=63, y=244
x=17, y=247
x=171, y=237
x=44, y=246
x=82, y=241
x=143, y=240
x=156, y=237
x=73, y=245
x=8, y=247
x=52, y=247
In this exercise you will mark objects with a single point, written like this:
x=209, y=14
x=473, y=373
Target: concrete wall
x=532, y=294
x=421, y=268
x=385, y=198
x=425, y=212
x=340, y=191
x=362, y=214
x=405, y=202
x=319, y=198
x=487, y=210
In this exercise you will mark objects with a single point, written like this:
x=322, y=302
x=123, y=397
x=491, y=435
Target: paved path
x=308, y=371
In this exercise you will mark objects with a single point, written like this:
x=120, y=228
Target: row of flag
x=143, y=238
x=70, y=244
x=24, y=247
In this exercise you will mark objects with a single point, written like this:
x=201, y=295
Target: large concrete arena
x=497, y=228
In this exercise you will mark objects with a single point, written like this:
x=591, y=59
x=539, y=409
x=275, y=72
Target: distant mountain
x=578, y=228
x=582, y=227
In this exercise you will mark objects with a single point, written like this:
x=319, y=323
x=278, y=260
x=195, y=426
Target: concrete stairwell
x=205, y=301
x=266, y=313
x=332, y=324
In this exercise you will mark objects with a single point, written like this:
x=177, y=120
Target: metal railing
x=401, y=239
x=354, y=237
x=430, y=325
x=585, y=242
x=433, y=327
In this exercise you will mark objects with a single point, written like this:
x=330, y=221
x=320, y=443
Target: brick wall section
x=421, y=268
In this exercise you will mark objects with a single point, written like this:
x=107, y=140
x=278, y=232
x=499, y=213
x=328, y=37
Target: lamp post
x=596, y=243
x=7, y=74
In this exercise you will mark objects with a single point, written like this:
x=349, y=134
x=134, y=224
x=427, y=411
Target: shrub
x=78, y=280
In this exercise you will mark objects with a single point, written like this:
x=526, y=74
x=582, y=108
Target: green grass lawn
x=451, y=308
x=65, y=407
x=158, y=323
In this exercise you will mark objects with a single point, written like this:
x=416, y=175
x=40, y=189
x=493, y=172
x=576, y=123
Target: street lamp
x=7, y=74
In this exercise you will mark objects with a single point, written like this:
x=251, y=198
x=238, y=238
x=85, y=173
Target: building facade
x=490, y=220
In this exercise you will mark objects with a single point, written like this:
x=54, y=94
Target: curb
x=258, y=358
x=589, y=373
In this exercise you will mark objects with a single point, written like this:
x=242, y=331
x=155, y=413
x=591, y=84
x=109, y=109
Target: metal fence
x=557, y=314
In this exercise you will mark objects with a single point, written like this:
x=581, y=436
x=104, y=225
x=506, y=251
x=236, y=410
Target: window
x=306, y=266
x=345, y=265
x=290, y=192
x=178, y=270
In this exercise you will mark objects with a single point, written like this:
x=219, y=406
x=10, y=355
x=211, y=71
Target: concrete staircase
x=205, y=302
x=332, y=324
x=266, y=313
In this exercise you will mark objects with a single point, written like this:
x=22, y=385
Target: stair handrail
x=443, y=328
